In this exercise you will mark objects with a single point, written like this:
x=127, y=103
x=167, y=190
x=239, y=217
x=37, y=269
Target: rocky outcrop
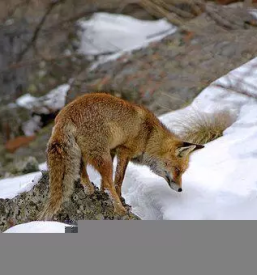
x=26, y=206
x=28, y=165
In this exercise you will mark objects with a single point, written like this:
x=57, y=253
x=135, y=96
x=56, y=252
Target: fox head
x=173, y=161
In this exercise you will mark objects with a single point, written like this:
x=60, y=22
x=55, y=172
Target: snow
x=253, y=12
x=38, y=227
x=111, y=33
x=52, y=101
x=43, y=166
x=32, y=126
x=55, y=99
x=11, y=187
x=221, y=182
x=25, y=100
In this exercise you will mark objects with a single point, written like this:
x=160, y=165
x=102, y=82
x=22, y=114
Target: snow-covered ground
x=114, y=34
x=11, y=187
x=38, y=227
x=221, y=182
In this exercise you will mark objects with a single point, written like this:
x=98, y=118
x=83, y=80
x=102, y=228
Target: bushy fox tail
x=63, y=160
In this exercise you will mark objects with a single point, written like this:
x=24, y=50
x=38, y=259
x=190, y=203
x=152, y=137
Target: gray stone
x=28, y=165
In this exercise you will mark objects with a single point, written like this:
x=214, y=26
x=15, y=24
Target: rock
x=26, y=206
x=28, y=165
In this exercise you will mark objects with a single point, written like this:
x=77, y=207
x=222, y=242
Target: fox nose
x=180, y=190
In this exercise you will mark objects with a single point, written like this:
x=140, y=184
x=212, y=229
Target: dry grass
x=199, y=127
x=171, y=9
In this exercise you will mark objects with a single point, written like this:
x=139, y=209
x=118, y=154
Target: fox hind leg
x=120, y=173
x=85, y=181
x=103, y=164
x=113, y=153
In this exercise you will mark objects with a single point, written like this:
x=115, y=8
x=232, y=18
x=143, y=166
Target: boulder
x=25, y=166
x=26, y=206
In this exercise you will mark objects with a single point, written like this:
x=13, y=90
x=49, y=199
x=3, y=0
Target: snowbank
x=111, y=33
x=221, y=182
x=11, y=187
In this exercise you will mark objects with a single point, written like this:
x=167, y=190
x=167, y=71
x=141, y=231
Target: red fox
x=95, y=128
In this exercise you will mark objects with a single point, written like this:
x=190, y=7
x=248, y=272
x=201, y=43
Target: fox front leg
x=123, y=161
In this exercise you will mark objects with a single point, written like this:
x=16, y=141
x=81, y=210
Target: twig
x=158, y=10
x=174, y=9
x=235, y=90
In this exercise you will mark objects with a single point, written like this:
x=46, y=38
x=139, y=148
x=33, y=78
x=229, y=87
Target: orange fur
x=92, y=130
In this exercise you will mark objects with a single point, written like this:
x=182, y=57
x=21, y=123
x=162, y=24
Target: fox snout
x=173, y=185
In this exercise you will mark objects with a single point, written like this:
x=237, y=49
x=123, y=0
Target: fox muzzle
x=175, y=187
x=172, y=184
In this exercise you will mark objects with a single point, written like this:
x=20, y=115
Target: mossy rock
x=26, y=206
x=25, y=166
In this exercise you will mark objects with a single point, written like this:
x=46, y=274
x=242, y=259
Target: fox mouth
x=172, y=184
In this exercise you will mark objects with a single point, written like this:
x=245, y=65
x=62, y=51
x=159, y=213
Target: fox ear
x=185, y=150
x=198, y=146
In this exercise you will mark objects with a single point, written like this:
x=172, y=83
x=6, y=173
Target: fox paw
x=88, y=189
x=121, y=211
